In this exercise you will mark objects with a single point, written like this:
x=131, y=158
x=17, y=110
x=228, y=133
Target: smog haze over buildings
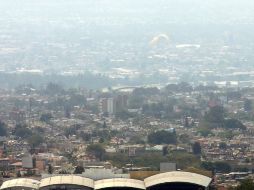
x=128, y=42
x=156, y=93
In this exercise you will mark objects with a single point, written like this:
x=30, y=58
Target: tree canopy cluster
x=22, y=131
x=216, y=118
x=79, y=170
x=97, y=150
x=196, y=148
x=247, y=184
x=223, y=167
x=181, y=87
x=145, y=91
x=162, y=137
x=152, y=159
x=45, y=117
x=3, y=130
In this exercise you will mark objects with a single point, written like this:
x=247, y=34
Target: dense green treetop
x=3, y=130
x=97, y=150
x=162, y=137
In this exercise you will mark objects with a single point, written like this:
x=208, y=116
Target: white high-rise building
x=110, y=106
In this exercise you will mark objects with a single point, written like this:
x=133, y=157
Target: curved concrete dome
x=177, y=177
x=68, y=180
x=21, y=182
x=119, y=182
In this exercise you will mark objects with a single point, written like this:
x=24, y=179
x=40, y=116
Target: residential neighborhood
x=117, y=132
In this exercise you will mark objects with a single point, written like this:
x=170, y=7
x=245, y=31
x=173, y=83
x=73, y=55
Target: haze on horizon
x=101, y=35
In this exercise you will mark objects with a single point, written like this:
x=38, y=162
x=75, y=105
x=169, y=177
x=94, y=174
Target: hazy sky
x=189, y=10
x=33, y=26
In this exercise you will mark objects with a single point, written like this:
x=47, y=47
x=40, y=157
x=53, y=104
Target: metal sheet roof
x=177, y=176
x=119, y=182
x=67, y=179
x=21, y=182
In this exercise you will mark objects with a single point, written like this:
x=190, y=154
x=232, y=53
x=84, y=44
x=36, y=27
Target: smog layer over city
x=132, y=94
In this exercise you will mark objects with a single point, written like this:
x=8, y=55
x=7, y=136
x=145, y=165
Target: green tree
x=165, y=150
x=162, y=137
x=97, y=150
x=223, y=167
x=76, y=100
x=234, y=124
x=204, y=130
x=196, y=148
x=181, y=87
x=150, y=159
x=171, y=88
x=63, y=172
x=35, y=140
x=184, y=138
x=247, y=105
x=104, y=125
x=3, y=130
x=101, y=140
x=208, y=166
x=184, y=159
x=124, y=115
x=85, y=136
x=227, y=134
x=18, y=174
x=186, y=122
x=223, y=145
x=136, y=102
x=145, y=91
x=79, y=170
x=72, y=130
x=45, y=117
x=50, y=169
x=22, y=131
x=184, y=87
x=247, y=184
x=137, y=140
x=234, y=95
x=215, y=115
x=53, y=88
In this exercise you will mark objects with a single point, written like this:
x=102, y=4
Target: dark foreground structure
x=177, y=181
x=164, y=181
